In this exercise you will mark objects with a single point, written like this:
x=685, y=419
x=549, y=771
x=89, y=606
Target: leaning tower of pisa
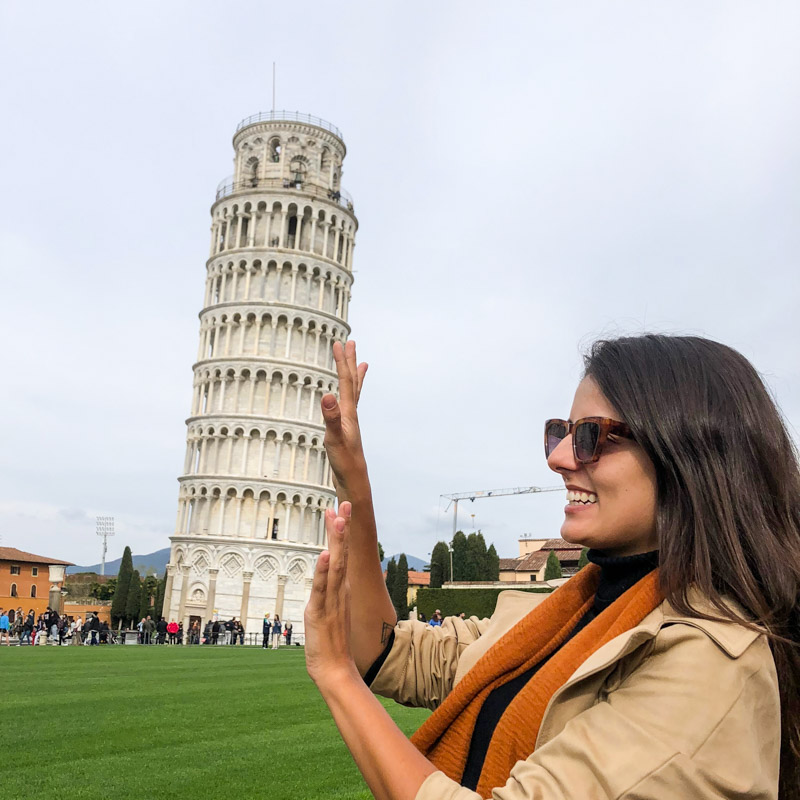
x=256, y=481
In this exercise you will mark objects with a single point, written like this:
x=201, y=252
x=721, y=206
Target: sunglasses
x=588, y=436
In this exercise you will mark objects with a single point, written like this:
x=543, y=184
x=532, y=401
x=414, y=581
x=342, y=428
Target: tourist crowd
x=53, y=628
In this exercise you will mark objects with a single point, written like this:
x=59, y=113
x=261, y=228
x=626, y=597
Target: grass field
x=170, y=722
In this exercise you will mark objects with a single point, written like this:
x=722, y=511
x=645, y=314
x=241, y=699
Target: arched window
x=33, y=590
x=275, y=150
x=298, y=169
x=14, y=590
x=251, y=171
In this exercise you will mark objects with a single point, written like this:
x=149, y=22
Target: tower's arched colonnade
x=256, y=482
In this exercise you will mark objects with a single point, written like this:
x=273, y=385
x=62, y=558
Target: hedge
x=473, y=602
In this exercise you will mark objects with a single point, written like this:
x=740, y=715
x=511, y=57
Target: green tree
x=552, y=569
x=440, y=565
x=149, y=594
x=134, y=597
x=584, y=559
x=158, y=606
x=400, y=588
x=492, y=564
x=475, y=566
x=120, y=603
x=459, y=556
x=391, y=575
x=380, y=552
x=103, y=591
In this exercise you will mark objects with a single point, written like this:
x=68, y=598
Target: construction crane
x=472, y=496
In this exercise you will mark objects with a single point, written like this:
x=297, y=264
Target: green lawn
x=170, y=722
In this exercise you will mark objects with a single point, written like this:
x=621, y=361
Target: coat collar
x=734, y=639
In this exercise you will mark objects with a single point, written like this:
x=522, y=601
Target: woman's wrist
x=335, y=681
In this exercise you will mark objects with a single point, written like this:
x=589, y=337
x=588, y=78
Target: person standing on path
x=148, y=628
x=266, y=628
x=76, y=631
x=276, y=632
x=4, y=625
x=172, y=630
x=287, y=629
x=27, y=628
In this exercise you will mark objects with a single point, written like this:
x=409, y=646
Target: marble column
x=281, y=593
x=167, y=607
x=212, y=593
x=248, y=576
x=184, y=570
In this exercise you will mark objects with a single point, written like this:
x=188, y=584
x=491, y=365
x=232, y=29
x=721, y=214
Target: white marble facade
x=256, y=480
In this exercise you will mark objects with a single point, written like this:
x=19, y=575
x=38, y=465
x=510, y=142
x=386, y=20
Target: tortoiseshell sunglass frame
x=606, y=426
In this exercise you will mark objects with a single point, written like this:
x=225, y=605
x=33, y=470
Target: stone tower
x=256, y=481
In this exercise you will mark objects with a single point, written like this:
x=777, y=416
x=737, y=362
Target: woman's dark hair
x=728, y=506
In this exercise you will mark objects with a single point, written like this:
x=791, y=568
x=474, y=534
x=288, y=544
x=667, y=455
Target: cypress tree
x=144, y=603
x=158, y=606
x=584, y=559
x=149, y=592
x=391, y=575
x=440, y=565
x=120, y=602
x=134, y=597
x=476, y=567
x=459, y=556
x=492, y=564
x=552, y=569
x=400, y=588
x=380, y=552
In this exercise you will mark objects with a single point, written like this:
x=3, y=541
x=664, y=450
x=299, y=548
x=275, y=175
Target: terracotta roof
x=12, y=554
x=560, y=544
x=419, y=578
x=533, y=562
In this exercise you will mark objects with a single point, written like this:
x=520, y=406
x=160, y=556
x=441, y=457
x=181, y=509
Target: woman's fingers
x=319, y=585
x=352, y=366
x=346, y=391
x=332, y=415
x=362, y=371
x=338, y=528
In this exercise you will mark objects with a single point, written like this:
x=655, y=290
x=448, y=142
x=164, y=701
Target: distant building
x=25, y=579
x=416, y=581
x=532, y=559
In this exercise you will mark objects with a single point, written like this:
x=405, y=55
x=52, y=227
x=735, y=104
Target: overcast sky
x=527, y=177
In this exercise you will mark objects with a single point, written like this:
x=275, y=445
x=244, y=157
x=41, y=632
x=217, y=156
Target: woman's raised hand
x=342, y=433
x=327, y=615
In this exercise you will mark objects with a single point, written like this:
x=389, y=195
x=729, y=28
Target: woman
x=172, y=630
x=77, y=631
x=27, y=628
x=277, y=629
x=287, y=632
x=667, y=668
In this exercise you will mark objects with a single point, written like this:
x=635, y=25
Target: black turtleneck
x=618, y=574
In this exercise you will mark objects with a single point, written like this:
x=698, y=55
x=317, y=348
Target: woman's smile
x=611, y=503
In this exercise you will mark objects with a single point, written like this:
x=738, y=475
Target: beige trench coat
x=673, y=708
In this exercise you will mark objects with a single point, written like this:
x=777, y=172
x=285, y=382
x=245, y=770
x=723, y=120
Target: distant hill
x=157, y=561
x=414, y=563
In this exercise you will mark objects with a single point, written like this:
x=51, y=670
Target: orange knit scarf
x=445, y=736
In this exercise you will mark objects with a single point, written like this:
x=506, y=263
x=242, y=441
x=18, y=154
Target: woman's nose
x=563, y=458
